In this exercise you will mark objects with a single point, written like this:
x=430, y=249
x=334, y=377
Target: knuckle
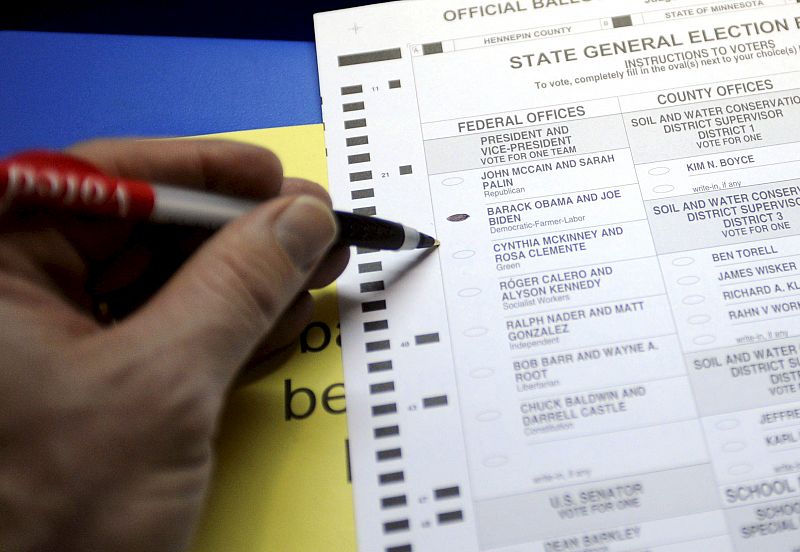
x=187, y=403
x=163, y=403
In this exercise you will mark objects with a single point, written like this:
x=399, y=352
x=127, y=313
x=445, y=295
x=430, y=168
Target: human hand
x=106, y=430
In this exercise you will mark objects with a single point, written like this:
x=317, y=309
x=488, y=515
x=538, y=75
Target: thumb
x=219, y=306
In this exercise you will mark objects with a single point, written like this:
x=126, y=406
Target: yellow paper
x=282, y=485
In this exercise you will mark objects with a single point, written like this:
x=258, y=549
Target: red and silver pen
x=62, y=182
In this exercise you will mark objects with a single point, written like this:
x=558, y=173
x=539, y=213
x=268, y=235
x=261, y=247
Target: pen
x=60, y=181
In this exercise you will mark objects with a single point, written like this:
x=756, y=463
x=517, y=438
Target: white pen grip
x=191, y=207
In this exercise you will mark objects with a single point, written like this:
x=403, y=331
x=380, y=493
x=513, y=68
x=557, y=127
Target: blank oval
x=658, y=171
x=464, y=254
x=693, y=299
x=477, y=331
x=663, y=188
x=682, y=261
x=495, y=461
x=727, y=424
x=697, y=319
x=734, y=446
x=469, y=292
x=482, y=373
x=706, y=339
x=488, y=416
x=452, y=181
x=688, y=280
x=740, y=469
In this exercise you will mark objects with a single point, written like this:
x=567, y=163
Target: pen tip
x=426, y=241
x=436, y=243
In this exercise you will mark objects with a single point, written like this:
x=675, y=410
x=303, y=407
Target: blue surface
x=58, y=88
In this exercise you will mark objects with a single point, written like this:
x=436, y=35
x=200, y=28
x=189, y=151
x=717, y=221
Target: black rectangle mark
x=365, y=250
x=394, y=83
x=432, y=48
x=401, y=548
x=368, y=211
x=394, y=501
x=357, y=141
x=357, y=158
x=370, y=267
x=426, y=338
x=347, y=460
x=393, y=477
x=392, y=526
x=359, y=176
x=446, y=492
x=355, y=89
x=355, y=123
x=376, y=325
x=373, y=346
x=366, y=287
x=450, y=517
x=383, y=409
x=389, y=454
x=363, y=193
x=383, y=366
x=386, y=431
x=353, y=106
x=385, y=387
x=430, y=402
x=621, y=21
x=372, y=306
x=405, y=169
x=370, y=57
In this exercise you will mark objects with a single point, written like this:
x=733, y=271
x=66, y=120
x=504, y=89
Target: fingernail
x=305, y=230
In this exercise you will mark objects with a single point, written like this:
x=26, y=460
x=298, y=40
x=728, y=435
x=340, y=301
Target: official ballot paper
x=604, y=353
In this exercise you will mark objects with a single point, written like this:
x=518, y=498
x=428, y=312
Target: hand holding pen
x=109, y=429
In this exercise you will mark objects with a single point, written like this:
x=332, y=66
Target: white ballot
x=604, y=352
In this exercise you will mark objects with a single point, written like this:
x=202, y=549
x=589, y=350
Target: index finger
x=221, y=166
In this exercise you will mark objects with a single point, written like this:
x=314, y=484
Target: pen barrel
x=53, y=180
x=196, y=208
x=371, y=232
